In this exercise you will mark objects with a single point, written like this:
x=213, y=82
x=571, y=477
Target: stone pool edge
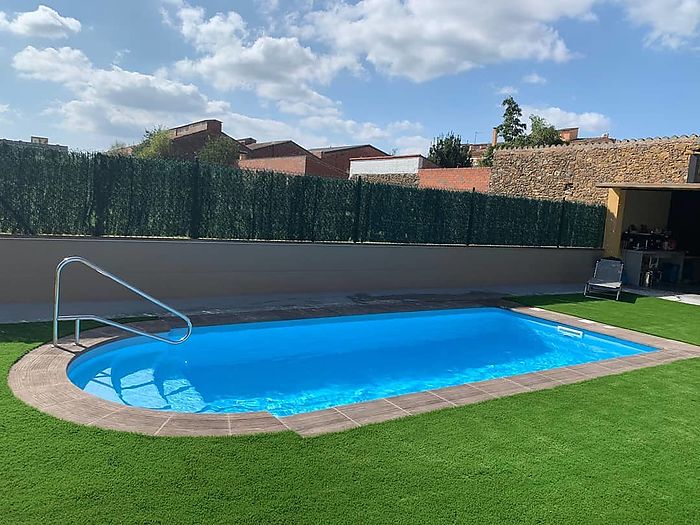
x=39, y=378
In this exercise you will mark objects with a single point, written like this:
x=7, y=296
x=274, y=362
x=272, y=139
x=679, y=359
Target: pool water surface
x=292, y=367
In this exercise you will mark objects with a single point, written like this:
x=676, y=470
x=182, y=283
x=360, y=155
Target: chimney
x=568, y=134
x=494, y=137
x=214, y=126
x=247, y=141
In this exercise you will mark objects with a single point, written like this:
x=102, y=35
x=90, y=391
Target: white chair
x=606, y=280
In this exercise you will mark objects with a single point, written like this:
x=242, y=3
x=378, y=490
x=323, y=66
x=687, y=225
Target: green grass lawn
x=645, y=314
x=621, y=449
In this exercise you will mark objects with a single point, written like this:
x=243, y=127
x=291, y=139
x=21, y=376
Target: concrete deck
x=29, y=312
x=40, y=378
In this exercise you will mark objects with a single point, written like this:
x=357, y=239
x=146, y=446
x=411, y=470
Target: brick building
x=188, y=140
x=416, y=171
x=340, y=156
x=286, y=156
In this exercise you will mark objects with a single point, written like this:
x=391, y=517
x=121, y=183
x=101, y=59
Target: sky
x=394, y=73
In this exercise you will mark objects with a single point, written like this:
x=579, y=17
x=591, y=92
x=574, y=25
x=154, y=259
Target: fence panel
x=582, y=225
x=45, y=192
x=142, y=198
x=95, y=194
x=408, y=215
x=515, y=221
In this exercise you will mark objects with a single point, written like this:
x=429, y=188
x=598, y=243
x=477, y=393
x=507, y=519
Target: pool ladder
x=77, y=318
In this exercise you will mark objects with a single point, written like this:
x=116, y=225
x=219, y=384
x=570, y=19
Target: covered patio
x=654, y=230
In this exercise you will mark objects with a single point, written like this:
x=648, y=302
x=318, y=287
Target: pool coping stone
x=39, y=378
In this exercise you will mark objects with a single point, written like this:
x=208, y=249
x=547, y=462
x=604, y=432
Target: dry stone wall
x=572, y=171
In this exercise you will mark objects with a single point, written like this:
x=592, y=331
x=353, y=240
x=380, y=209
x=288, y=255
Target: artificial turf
x=620, y=449
x=645, y=314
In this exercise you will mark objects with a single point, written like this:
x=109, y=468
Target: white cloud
x=64, y=65
x=275, y=68
x=5, y=113
x=120, y=55
x=420, y=41
x=589, y=121
x=534, y=78
x=412, y=144
x=673, y=23
x=268, y=6
x=44, y=22
x=359, y=131
x=507, y=90
x=117, y=103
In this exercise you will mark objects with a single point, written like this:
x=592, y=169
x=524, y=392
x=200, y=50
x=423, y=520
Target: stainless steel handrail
x=77, y=318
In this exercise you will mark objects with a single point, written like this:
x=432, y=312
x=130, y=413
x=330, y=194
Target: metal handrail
x=77, y=318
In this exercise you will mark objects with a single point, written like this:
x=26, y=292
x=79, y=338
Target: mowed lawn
x=621, y=449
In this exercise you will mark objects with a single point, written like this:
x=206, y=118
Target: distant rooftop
x=258, y=145
x=342, y=148
x=35, y=142
x=391, y=157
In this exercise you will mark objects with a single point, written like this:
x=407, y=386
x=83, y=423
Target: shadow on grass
x=41, y=332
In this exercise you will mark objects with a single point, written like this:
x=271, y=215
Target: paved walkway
x=678, y=297
x=15, y=313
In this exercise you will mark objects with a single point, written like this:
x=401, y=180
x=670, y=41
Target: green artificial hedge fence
x=54, y=193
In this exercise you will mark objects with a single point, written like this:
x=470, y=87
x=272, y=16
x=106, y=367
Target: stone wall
x=409, y=180
x=573, y=171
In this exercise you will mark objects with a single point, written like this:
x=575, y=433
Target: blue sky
x=394, y=73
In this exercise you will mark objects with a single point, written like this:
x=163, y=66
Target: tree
x=511, y=128
x=156, y=144
x=487, y=160
x=219, y=150
x=447, y=151
x=542, y=133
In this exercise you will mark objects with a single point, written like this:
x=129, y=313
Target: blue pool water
x=290, y=367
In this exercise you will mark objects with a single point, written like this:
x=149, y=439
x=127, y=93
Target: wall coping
x=34, y=238
x=606, y=145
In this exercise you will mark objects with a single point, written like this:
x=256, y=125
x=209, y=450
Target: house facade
x=286, y=156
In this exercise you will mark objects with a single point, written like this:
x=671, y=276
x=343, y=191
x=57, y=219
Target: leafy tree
x=219, y=150
x=156, y=144
x=542, y=133
x=117, y=148
x=512, y=128
x=447, y=151
x=487, y=160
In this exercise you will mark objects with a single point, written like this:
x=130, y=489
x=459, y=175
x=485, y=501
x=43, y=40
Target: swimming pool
x=292, y=367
